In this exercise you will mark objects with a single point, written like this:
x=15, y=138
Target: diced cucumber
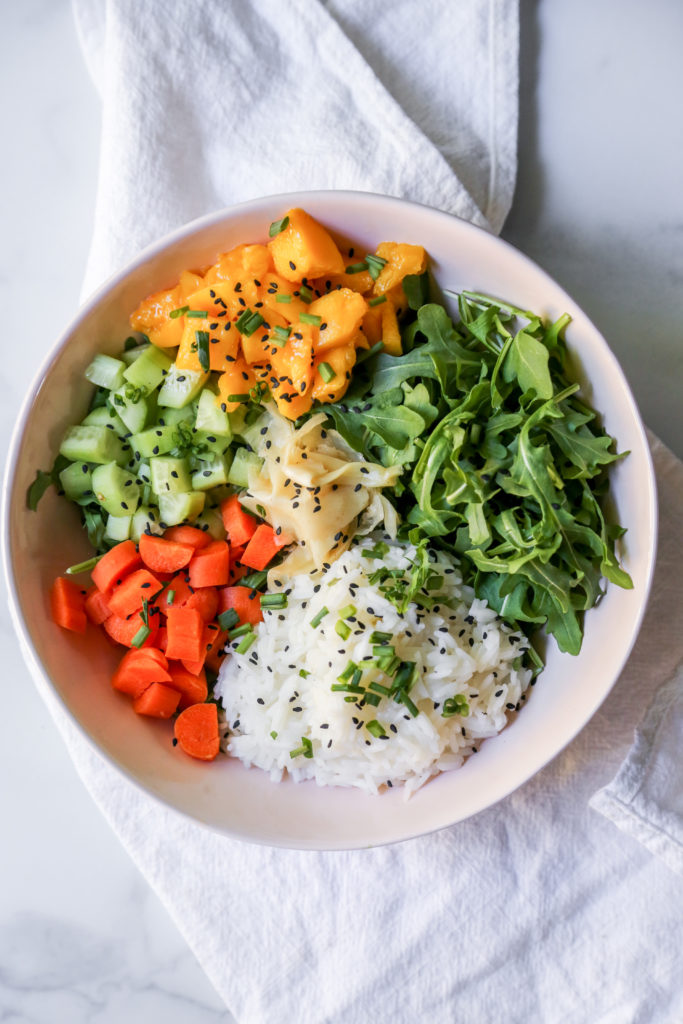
x=132, y=408
x=129, y=355
x=178, y=508
x=156, y=440
x=88, y=443
x=118, y=527
x=181, y=386
x=210, y=473
x=115, y=489
x=210, y=416
x=145, y=520
x=237, y=419
x=251, y=434
x=106, y=372
x=172, y=417
x=241, y=463
x=212, y=522
x=211, y=444
x=149, y=369
x=76, y=480
x=169, y=475
x=103, y=417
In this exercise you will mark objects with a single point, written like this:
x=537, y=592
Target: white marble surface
x=599, y=204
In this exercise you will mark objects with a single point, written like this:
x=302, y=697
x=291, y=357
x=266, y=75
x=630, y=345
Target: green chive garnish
x=283, y=297
x=403, y=698
x=347, y=673
x=197, y=314
x=278, y=226
x=273, y=600
x=317, y=619
x=86, y=566
x=242, y=630
x=303, y=673
x=280, y=335
x=342, y=629
x=372, y=699
x=377, y=637
x=273, y=735
x=305, y=294
x=375, y=729
x=326, y=372
x=377, y=301
x=238, y=398
x=347, y=611
x=254, y=580
x=306, y=748
x=203, y=349
x=310, y=318
x=248, y=322
x=245, y=643
x=457, y=705
x=181, y=311
x=141, y=635
x=347, y=688
x=357, y=268
x=378, y=688
x=228, y=618
x=170, y=597
x=375, y=264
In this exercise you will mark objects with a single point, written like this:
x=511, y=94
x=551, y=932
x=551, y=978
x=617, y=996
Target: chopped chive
x=356, y=268
x=254, y=580
x=347, y=688
x=277, y=227
x=283, y=297
x=245, y=643
x=377, y=301
x=197, y=314
x=238, y=398
x=306, y=748
x=326, y=372
x=317, y=619
x=375, y=729
x=273, y=735
x=305, y=294
x=457, y=705
x=383, y=650
x=248, y=321
x=378, y=688
x=342, y=629
x=280, y=335
x=228, y=618
x=170, y=597
x=347, y=611
x=86, y=566
x=355, y=678
x=310, y=318
x=303, y=673
x=273, y=600
x=372, y=699
x=405, y=676
x=403, y=698
x=242, y=630
x=378, y=550
x=181, y=311
x=377, y=637
x=141, y=635
x=347, y=673
x=375, y=264
x=203, y=349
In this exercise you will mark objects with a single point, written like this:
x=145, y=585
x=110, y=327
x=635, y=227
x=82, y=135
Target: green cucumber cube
x=88, y=443
x=180, y=508
x=243, y=460
x=145, y=520
x=210, y=473
x=156, y=440
x=210, y=416
x=172, y=417
x=149, y=369
x=118, y=527
x=169, y=475
x=211, y=522
x=180, y=387
x=102, y=416
x=106, y=372
x=129, y=355
x=115, y=489
x=76, y=480
x=132, y=408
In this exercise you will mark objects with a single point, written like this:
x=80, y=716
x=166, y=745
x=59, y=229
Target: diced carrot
x=237, y=571
x=185, y=634
x=128, y=596
x=158, y=701
x=263, y=547
x=180, y=591
x=162, y=638
x=124, y=631
x=246, y=602
x=155, y=653
x=115, y=565
x=196, y=730
x=138, y=669
x=67, y=604
x=162, y=555
x=205, y=600
x=210, y=566
x=187, y=535
x=96, y=607
x=192, y=685
x=216, y=653
x=239, y=525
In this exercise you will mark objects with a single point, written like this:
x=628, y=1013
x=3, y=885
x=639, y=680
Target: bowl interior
x=224, y=795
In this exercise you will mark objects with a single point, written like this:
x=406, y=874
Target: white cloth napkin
x=538, y=910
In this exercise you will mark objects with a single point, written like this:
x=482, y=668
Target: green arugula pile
x=503, y=465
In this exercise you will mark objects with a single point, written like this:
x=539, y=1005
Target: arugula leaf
x=44, y=480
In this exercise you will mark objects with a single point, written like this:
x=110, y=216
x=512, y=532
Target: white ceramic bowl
x=224, y=795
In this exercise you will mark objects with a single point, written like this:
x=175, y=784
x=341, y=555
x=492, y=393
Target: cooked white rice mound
x=277, y=696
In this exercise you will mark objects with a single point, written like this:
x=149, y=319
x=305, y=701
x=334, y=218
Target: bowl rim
x=285, y=200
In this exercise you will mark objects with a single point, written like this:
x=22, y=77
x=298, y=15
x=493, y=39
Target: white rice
x=460, y=647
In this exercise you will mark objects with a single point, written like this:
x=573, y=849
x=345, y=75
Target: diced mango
x=305, y=249
x=341, y=360
x=402, y=259
x=361, y=281
x=189, y=282
x=391, y=335
x=223, y=343
x=237, y=379
x=341, y=313
x=152, y=318
x=293, y=366
x=288, y=305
